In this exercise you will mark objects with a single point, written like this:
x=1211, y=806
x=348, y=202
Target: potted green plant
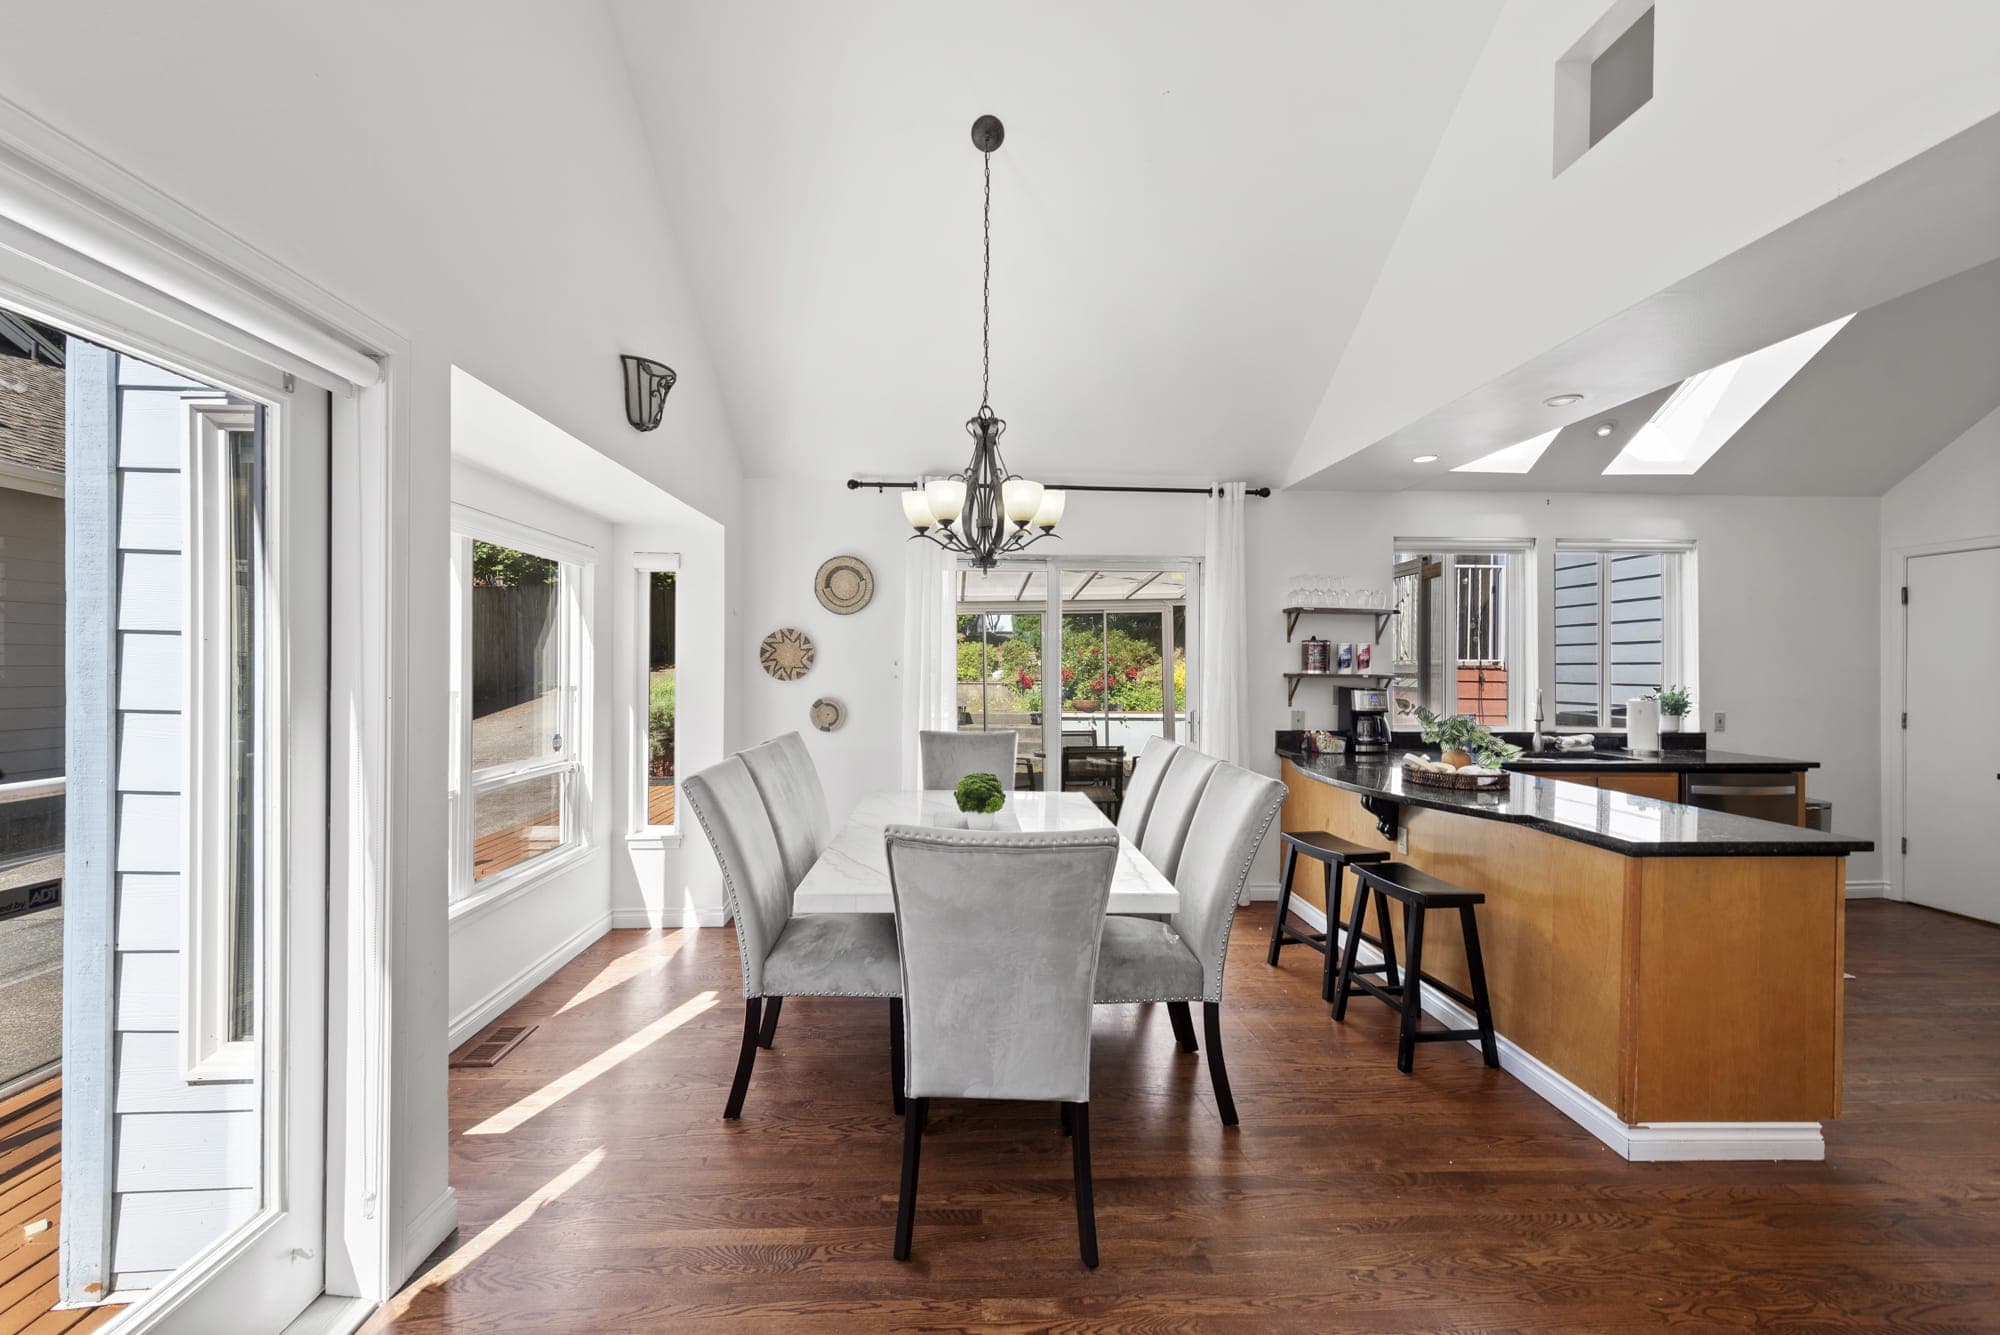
x=980, y=796
x=1460, y=740
x=1675, y=702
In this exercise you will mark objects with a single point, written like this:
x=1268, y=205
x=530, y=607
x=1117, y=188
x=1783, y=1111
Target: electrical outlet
x=1721, y=721
x=1298, y=720
x=1403, y=840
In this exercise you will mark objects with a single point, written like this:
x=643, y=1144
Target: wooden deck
x=660, y=803
x=30, y=1194
x=600, y=1189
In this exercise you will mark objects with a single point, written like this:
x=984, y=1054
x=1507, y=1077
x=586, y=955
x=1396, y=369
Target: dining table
x=852, y=875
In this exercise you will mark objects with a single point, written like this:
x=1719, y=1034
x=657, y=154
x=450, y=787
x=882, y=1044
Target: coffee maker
x=1365, y=719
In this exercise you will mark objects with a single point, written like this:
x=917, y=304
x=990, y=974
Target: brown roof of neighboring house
x=31, y=414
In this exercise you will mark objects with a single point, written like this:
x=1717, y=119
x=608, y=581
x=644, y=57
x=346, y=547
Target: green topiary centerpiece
x=979, y=797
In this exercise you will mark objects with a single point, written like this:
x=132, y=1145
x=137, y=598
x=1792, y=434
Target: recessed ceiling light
x=1561, y=400
x=1606, y=428
x=1425, y=459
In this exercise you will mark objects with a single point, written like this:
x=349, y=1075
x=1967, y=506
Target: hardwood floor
x=601, y=1191
x=31, y=1195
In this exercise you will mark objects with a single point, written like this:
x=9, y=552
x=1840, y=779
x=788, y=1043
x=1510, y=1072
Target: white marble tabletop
x=852, y=876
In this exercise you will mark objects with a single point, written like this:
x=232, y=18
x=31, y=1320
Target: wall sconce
x=646, y=386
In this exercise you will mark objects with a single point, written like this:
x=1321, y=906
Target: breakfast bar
x=1669, y=976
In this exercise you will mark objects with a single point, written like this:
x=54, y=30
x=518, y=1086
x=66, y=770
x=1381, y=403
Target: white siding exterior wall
x=183, y=1162
x=31, y=635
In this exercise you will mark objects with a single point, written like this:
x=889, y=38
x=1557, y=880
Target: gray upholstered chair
x=1173, y=807
x=1180, y=960
x=819, y=955
x=789, y=783
x=947, y=757
x=998, y=935
x=1144, y=786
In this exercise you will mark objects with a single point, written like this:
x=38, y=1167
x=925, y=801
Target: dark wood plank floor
x=31, y=1199
x=601, y=1191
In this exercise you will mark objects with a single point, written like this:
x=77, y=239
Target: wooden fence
x=515, y=650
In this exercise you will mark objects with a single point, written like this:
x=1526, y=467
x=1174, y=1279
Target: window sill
x=654, y=838
x=511, y=884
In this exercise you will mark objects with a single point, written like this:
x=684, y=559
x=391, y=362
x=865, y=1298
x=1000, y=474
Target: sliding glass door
x=1084, y=660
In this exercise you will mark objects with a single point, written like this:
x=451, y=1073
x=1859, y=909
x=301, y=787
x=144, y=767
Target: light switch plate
x=1721, y=721
x=1298, y=720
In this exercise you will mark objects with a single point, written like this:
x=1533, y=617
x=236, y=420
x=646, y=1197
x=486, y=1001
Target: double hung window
x=521, y=660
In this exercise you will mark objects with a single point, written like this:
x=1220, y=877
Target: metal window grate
x=493, y=1047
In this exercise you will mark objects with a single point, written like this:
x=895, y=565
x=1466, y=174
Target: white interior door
x=1951, y=749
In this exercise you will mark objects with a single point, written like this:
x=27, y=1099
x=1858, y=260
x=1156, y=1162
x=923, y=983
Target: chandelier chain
x=986, y=296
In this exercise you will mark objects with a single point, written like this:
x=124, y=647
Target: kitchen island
x=1668, y=976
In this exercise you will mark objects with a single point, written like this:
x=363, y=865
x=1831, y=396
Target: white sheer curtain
x=1224, y=690
x=929, y=666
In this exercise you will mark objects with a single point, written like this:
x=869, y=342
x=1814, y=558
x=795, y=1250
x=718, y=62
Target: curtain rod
x=855, y=484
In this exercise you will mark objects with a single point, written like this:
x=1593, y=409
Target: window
x=1617, y=626
x=520, y=655
x=1458, y=644
x=654, y=588
x=223, y=573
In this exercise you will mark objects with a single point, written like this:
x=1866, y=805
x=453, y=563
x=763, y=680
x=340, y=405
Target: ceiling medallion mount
x=985, y=512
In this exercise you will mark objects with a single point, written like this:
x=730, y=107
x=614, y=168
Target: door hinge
x=1906, y=720
x=291, y=383
x=1906, y=844
x=1906, y=595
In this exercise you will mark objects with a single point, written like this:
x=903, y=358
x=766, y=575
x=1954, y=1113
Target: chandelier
x=985, y=512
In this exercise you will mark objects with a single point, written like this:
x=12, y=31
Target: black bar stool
x=1416, y=891
x=1333, y=853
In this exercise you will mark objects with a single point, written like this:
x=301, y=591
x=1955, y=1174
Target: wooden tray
x=1432, y=779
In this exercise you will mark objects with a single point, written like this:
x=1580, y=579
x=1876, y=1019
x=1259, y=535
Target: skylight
x=1516, y=458
x=1706, y=410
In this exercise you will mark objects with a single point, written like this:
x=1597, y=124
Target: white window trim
x=1521, y=627
x=574, y=597
x=640, y=831
x=1678, y=615
x=206, y=1053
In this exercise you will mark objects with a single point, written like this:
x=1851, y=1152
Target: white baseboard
x=623, y=919
x=430, y=1228
x=1868, y=890
x=1648, y=1142
x=491, y=1006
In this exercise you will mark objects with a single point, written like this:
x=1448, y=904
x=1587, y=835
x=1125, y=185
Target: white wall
x=1953, y=498
x=1760, y=114
x=1787, y=604
x=501, y=950
x=470, y=173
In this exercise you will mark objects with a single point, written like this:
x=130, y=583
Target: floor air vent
x=489, y=1050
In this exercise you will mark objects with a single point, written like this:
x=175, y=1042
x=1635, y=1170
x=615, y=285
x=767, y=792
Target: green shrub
x=980, y=793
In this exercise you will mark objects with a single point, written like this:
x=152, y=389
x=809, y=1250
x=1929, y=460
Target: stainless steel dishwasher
x=1764, y=794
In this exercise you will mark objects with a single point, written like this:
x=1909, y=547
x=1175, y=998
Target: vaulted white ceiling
x=1191, y=207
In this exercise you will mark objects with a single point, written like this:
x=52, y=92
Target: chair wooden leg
x=906, y=1205
x=1063, y=1118
x=896, y=1054
x=770, y=1030
x=1218, y=1074
x=1086, y=1204
x=1475, y=965
x=1345, y=983
x=1383, y=921
x=1177, y=1011
x=1328, y=966
x=1413, y=984
x=1284, y=903
x=745, y=1059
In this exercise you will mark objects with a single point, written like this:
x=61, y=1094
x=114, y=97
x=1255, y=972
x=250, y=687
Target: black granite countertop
x=1640, y=827
x=1659, y=762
